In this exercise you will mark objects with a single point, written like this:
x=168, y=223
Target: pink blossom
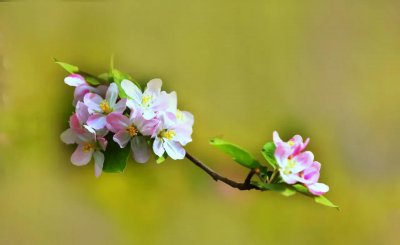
x=82, y=87
x=100, y=108
x=90, y=145
x=297, y=166
x=132, y=129
x=76, y=123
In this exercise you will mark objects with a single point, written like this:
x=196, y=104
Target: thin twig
x=246, y=185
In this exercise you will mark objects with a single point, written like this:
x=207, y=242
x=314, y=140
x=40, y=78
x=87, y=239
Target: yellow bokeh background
x=328, y=70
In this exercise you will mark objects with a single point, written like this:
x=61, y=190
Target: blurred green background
x=328, y=70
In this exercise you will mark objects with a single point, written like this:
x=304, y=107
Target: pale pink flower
x=90, y=145
x=82, y=87
x=76, y=124
x=100, y=108
x=297, y=166
x=132, y=129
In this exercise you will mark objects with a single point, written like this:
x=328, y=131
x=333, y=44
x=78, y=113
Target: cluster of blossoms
x=298, y=166
x=148, y=121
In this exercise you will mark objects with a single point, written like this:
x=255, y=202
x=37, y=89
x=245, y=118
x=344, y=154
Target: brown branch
x=246, y=185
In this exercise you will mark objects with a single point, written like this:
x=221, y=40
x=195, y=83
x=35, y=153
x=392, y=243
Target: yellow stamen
x=87, y=147
x=146, y=100
x=168, y=134
x=132, y=130
x=291, y=143
x=105, y=107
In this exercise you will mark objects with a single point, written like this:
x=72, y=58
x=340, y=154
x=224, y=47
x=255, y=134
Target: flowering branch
x=115, y=118
x=246, y=185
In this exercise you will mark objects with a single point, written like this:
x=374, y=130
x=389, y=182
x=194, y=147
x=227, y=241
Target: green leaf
x=283, y=189
x=91, y=80
x=268, y=151
x=115, y=157
x=68, y=67
x=118, y=76
x=238, y=154
x=325, y=201
x=302, y=189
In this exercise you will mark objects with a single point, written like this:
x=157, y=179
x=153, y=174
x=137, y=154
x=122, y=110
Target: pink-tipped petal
x=98, y=163
x=282, y=152
x=311, y=174
x=120, y=106
x=112, y=94
x=74, y=80
x=276, y=137
x=303, y=161
x=140, y=149
x=81, y=91
x=132, y=91
x=82, y=112
x=74, y=122
x=117, y=122
x=158, y=147
x=92, y=101
x=97, y=121
x=103, y=143
x=68, y=136
x=174, y=149
x=122, y=138
x=81, y=157
x=318, y=189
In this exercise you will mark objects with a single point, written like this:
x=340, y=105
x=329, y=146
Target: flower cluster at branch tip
x=298, y=166
x=147, y=121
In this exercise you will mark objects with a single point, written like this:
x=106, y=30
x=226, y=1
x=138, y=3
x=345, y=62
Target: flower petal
x=318, y=189
x=154, y=86
x=122, y=138
x=140, y=149
x=82, y=112
x=97, y=121
x=158, y=147
x=112, y=94
x=102, y=142
x=98, y=163
x=74, y=80
x=303, y=161
x=174, y=149
x=276, y=137
x=120, y=106
x=68, y=136
x=117, y=122
x=92, y=101
x=81, y=157
x=132, y=90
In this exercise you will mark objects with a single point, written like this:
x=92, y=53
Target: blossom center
x=290, y=165
x=105, y=107
x=132, y=130
x=146, y=99
x=290, y=143
x=168, y=134
x=87, y=147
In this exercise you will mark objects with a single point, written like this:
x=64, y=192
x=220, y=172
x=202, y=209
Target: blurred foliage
x=328, y=70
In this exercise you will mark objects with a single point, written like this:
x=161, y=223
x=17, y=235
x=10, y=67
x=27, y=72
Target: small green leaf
x=91, y=80
x=115, y=157
x=283, y=189
x=325, y=201
x=118, y=76
x=268, y=151
x=68, y=67
x=238, y=154
x=301, y=188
